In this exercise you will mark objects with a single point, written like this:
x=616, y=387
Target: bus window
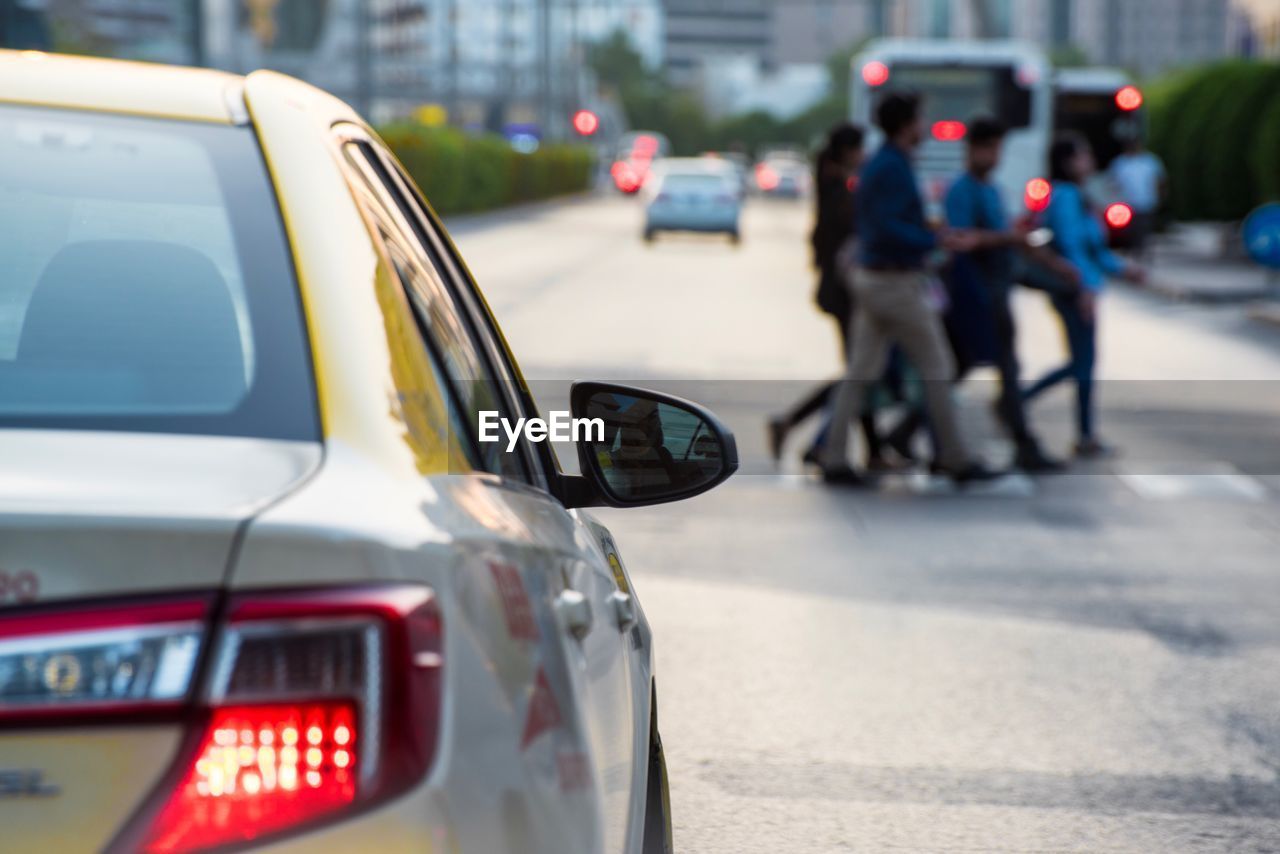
x=957, y=93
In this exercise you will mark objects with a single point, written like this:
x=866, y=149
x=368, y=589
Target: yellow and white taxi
x=262, y=583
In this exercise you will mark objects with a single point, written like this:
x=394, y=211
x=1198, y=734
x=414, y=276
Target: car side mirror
x=642, y=447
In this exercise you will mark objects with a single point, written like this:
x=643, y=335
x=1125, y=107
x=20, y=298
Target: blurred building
x=765, y=55
x=490, y=64
x=24, y=25
x=1144, y=36
x=1258, y=28
x=699, y=32
x=155, y=30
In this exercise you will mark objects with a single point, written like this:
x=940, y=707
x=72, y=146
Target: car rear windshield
x=690, y=182
x=145, y=282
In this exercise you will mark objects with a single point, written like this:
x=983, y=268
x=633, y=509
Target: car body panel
x=67, y=520
x=195, y=94
x=94, y=776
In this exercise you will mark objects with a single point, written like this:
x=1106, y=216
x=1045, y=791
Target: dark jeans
x=1082, y=345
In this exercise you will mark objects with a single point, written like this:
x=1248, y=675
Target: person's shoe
x=1032, y=460
x=777, y=429
x=813, y=456
x=1092, y=449
x=974, y=473
x=901, y=445
x=880, y=465
x=843, y=476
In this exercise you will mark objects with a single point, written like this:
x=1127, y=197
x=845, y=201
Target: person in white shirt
x=1140, y=177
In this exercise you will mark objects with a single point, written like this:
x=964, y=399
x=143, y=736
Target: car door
x=596, y=642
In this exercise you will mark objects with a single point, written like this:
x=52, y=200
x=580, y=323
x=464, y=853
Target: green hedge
x=1218, y=130
x=462, y=173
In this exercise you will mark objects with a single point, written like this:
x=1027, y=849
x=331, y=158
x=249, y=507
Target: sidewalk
x=1187, y=263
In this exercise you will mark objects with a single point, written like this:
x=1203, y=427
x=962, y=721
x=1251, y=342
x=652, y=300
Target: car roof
x=111, y=85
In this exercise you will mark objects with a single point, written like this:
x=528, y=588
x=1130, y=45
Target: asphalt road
x=1088, y=662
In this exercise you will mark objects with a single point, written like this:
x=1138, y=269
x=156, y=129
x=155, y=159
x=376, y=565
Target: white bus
x=1010, y=81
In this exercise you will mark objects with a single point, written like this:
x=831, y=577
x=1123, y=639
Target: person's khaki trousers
x=893, y=308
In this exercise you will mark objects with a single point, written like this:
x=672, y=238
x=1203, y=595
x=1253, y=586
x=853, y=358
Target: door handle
x=624, y=609
x=574, y=610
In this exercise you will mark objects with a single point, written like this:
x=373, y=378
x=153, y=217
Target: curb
x=1207, y=296
x=1266, y=312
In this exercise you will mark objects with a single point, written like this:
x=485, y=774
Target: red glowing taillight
x=259, y=770
x=948, y=130
x=585, y=122
x=875, y=73
x=1037, y=194
x=318, y=703
x=625, y=177
x=1118, y=215
x=766, y=178
x=1129, y=98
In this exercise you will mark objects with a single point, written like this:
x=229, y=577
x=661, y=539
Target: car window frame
x=540, y=457
x=391, y=201
x=387, y=242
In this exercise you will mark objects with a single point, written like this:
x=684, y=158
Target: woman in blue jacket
x=1079, y=238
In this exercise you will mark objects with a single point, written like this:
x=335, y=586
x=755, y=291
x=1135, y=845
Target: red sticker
x=544, y=711
x=515, y=602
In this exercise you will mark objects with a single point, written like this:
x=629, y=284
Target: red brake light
x=262, y=769
x=625, y=177
x=766, y=177
x=875, y=73
x=1037, y=194
x=318, y=702
x=645, y=145
x=1118, y=215
x=586, y=122
x=1129, y=98
x=948, y=130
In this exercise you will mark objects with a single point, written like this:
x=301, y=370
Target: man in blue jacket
x=892, y=297
x=974, y=203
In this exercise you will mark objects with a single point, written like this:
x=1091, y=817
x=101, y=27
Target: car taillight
x=1037, y=194
x=100, y=660
x=766, y=178
x=318, y=702
x=1129, y=98
x=1118, y=215
x=948, y=130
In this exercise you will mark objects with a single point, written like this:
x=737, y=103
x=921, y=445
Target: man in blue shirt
x=892, y=298
x=982, y=323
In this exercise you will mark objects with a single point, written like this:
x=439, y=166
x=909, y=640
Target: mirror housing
x=654, y=448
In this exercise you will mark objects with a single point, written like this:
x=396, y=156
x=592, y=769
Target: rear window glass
x=694, y=183
x=958, y=93
x=146, y=283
